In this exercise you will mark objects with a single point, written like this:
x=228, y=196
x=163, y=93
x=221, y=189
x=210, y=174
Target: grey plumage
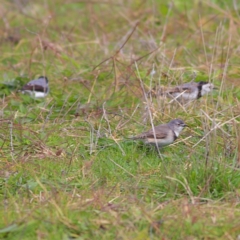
x=37, y=87
x=163, y=134
x=186, y=91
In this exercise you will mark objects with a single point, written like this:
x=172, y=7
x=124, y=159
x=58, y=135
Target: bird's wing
x=191, y=86
x=40, y=81
x=34, y=87
x=161, y=131
x=187, y=88
x=40, y=84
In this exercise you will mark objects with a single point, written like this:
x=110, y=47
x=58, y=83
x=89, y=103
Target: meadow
x=67, y=167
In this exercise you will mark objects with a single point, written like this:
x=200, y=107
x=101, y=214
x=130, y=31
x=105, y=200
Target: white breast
x=35, y=94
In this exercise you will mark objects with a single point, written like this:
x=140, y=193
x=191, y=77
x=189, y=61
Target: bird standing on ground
x=163, y=134
x=37, y=88
x=187, y=91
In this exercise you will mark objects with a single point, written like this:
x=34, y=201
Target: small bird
x=187, y=91
x=37, y=88
x=165, y=134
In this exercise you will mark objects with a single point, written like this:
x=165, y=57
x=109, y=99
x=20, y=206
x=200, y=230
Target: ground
x=68, y=169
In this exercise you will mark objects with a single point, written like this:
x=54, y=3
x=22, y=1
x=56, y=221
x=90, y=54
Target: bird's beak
x=185, y=125
x=215, y=88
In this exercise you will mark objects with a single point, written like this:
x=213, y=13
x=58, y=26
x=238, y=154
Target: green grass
x=67, y=167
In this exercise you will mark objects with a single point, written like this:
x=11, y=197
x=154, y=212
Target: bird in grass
x=37, y=88
x=163, y=134
x=187, y=91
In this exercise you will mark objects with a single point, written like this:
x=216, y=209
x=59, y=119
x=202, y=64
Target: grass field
x=67, y=167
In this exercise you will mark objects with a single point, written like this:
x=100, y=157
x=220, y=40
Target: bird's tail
x=156, y=91
x=160, y=91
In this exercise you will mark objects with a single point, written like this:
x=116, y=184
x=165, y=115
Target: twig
x=215, y=127
x=47, y=118
x=11, y=139
x=121, y=167
x=116, y=53
x=128, y=120
x=186, y=186
x=109, y=128
x=149, y=111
